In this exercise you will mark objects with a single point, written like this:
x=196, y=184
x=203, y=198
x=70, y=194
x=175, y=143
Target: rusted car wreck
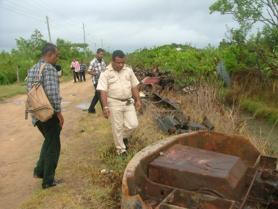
x=200, y=170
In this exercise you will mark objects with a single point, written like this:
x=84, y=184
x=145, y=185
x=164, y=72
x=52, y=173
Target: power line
x=22, y=14
x=38, y=6
x=27, y=10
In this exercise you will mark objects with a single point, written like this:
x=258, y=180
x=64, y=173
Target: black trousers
x=95, y=100
x=82, y=76
x=75, y=76
x=50, y=150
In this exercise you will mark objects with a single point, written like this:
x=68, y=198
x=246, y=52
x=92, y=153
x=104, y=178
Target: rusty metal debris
x=197, y=170
x=172, y=120
x=201, y=170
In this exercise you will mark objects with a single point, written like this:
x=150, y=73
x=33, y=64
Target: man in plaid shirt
x=97, y=66
x=50, y=129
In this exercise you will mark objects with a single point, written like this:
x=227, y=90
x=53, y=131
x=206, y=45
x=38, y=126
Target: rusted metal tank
x=200, y=170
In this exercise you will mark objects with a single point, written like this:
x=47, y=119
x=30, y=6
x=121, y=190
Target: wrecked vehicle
x=200, y=170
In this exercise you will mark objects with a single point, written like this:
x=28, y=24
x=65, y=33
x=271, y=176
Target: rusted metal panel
x=260, y=191
x=183, y=199
x=196, y=169
x=151, y=80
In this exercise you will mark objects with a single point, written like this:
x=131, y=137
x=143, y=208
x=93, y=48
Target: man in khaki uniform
x=119, y=92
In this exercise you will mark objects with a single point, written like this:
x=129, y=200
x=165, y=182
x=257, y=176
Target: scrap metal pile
x=170, y=117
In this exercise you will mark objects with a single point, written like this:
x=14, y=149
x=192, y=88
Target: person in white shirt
x=75, y=67
x=120, y=98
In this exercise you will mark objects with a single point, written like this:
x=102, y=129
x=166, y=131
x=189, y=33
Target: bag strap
x=40, y=72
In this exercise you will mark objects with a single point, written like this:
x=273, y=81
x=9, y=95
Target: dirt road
x=20, y=142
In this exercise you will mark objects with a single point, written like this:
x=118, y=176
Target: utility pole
x=84, y=36
x=49, y=36
x=84, y=39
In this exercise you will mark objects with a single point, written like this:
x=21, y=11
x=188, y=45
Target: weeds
x=92, y=150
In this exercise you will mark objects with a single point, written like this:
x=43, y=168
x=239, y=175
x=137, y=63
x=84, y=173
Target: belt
x=122, y=100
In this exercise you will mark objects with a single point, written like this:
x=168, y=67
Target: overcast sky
x=114, y=24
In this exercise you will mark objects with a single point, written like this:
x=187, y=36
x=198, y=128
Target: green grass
x=89, y=149
x=7, y=91
x=260, y=109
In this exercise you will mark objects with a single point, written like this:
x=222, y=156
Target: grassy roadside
x=7, y=91
x=261, y=109
x=90, y=150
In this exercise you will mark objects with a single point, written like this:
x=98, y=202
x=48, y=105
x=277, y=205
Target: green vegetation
x=12, y=90
x=185, y=63
x=27, y=53
x=260, y=109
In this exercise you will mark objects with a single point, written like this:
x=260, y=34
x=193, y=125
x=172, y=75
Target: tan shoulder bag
x=37, y=102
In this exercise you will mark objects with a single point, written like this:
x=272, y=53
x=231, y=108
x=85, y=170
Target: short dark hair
x=48, y=47
x=118, y=53
x=100, y=50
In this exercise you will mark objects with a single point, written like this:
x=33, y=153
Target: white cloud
x=121, y=24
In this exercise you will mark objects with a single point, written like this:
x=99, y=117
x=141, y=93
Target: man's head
x=118, y=60
x=50, y=53
x=100, y=53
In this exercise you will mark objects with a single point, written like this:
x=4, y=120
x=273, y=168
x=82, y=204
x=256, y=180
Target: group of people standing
x=78, y=70
x=115, y=85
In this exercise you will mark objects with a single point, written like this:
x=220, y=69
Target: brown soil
x=20, y=142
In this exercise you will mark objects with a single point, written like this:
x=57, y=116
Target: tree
x=248, y=12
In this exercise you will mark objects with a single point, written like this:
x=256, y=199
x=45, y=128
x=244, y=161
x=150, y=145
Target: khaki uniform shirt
x=117, y=84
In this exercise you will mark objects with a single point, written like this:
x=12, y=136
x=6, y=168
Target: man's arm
x=52, y=90
x=103, y=88
x=135, y=91
x=136, y=97
x=103, y=97
x=91, y=69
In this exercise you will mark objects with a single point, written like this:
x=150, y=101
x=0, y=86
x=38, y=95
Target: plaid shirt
x=98, y=67
x=50, y=83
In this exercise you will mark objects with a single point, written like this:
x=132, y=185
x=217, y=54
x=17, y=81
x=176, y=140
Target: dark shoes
x=125, y=142
x=35, y=175
x=53, y=184
x=92, y=111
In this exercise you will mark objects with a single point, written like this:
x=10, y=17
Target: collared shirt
x=83, y=68
x=98, y=67
x=50, y=84
x=75, y=65
x=118, y=84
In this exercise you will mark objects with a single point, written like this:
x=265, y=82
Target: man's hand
x=138, y=105
x=61, y=119
x=92, y=72
x=106, y=112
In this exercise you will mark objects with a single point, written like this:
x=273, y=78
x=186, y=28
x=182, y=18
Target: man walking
x=50, y=129
x=118, y=87
x=97, y=66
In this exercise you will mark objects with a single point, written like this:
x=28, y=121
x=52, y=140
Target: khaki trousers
x=123, y=121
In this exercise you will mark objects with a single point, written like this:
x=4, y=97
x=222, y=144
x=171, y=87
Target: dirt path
x=20, y=142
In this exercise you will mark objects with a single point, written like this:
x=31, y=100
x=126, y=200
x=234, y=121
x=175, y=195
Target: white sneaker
x=121, y=152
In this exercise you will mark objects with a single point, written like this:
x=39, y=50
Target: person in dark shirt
x=82, y=71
